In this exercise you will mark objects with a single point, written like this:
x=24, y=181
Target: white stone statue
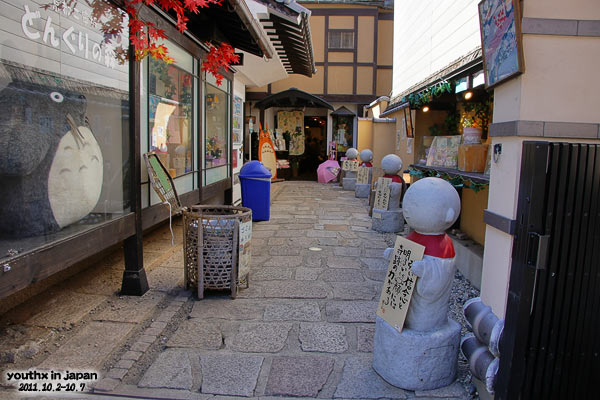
x=366, y=156
x=362, y=190
x=349, y=178
x=431, y=206
x=425, y=353
x=390, y=220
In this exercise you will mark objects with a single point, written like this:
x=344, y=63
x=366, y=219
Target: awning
x=293, y=98
x=286, y=23
x=473, y=58
x=343, y=112
x=231, y=22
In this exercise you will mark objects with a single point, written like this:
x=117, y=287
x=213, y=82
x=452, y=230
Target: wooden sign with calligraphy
x=362, y=177
x=350, y=165
x=382, y=195
x=399, y=282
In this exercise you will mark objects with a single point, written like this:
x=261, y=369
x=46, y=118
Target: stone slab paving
x=360, y=381
x=298, y=375
x=303, y=329
x=171, y=370
x=293, y=311
x=197, y=333
x=323, y=337
x=230, y=374
x=260, y=337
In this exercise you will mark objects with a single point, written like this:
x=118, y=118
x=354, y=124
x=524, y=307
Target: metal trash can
x=255, y=179
x=216, y=247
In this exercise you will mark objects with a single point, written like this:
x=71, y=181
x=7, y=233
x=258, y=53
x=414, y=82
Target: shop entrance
x=315, y=140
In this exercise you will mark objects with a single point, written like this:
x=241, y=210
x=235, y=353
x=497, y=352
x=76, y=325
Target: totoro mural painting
x=64, y=100
x=51, y=166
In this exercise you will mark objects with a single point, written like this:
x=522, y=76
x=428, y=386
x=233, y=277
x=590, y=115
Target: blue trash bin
x=255, y=179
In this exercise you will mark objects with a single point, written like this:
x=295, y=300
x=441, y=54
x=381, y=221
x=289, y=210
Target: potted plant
x=471, y=132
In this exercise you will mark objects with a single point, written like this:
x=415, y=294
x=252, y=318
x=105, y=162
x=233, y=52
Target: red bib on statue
x=395, y=178
x=435, y=245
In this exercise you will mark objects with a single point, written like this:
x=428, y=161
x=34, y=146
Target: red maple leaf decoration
x=143, y=35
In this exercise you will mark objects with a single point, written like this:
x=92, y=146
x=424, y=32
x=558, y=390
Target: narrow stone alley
x=303, y=328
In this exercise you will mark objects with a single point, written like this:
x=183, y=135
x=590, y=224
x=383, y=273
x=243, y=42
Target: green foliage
x=455, y=180
x=426, y=95
x=480, y=114
x=449, y=127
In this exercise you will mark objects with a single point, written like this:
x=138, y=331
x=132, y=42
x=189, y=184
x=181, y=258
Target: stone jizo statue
x=425, y=354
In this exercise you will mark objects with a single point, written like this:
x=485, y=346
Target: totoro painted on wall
x=51, y=166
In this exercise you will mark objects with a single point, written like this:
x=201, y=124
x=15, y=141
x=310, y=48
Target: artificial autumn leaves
x=144, y=36
x=218, y=57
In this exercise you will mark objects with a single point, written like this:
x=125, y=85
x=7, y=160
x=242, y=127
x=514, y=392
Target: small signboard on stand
x=350, y=165
x=362, y=177
x=399, y=282
x=382, y=195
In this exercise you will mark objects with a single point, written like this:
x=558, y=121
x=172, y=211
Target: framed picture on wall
x=500, y=26
x=408, y=123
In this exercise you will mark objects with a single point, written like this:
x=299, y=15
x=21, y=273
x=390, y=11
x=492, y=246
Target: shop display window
x=170, y=115
x=217, y=131
x=64, y=164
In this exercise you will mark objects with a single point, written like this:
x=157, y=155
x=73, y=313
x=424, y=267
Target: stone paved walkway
x=303, y=328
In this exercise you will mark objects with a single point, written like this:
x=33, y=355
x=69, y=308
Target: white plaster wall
x=571, y=9
x=429, y=35
x=563, y=82
x=504, y=188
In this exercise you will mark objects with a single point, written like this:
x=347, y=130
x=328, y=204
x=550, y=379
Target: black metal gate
x=551, y=343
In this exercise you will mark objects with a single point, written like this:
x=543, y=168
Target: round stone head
x=391, y=164
x=430, y=206
x=352, y=153
x=366, y=155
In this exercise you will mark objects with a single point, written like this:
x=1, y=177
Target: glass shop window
x=64, y=96
x=217, y=130
x=170, y=115
x=341, y=40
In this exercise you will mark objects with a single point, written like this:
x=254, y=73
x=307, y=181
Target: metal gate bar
x=552, y=331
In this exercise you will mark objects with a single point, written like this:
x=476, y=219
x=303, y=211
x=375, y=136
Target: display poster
x=444, y=152
x=292, y=122
x=350, y=165
x=245, y=236
x=501, y=40
x=237, y=128
x=399, y=282
x=362, y=177
x=382, y=194
x=161, y=122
